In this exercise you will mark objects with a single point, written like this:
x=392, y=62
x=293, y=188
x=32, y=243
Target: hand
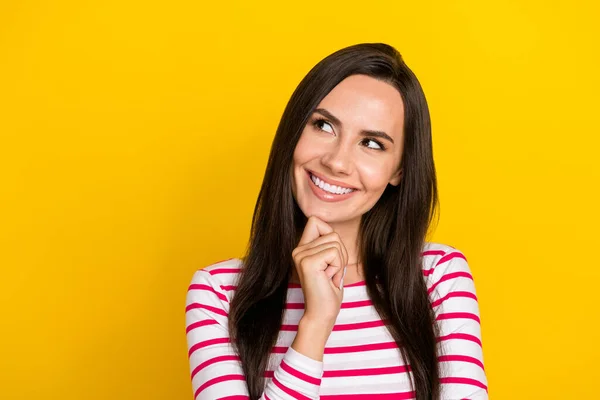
x=320, y=259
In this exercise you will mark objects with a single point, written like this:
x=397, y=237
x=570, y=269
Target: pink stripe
x=433, y=253
x=452, y=295
x=213, y=361
x=375, y=396
x=228, y=287
x=289, y=328
x=345, y=349
x=465, y=381
x=266, y=397
x=219, y=379
x=341, y=327
x=216, y=310
x=197, y=286
x=361, y=348
x=294, y=306
x=450, y=256
x=300, y=375
x=457, y=315
x=359, y=325
x=366, y=371
x=462, y=336
x=279, y=350
x=359, y=283
x=218, y=271
x=236, y=397
x=207, y=343
x=455, y=357
x=349, y=304
x=200, y=324
x=288, y=391
x=357, y=304
x=448, y=277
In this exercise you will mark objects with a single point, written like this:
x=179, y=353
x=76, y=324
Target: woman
x=339, y=295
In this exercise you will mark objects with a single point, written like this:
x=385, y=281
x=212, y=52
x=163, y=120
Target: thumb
x=338, y=278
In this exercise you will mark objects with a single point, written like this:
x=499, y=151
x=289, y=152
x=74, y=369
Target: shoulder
x=219, y=277
x=448, y=279
x=442, y=260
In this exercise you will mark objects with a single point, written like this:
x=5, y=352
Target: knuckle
x=332, y=237
x=302, y=263
x=334, y=251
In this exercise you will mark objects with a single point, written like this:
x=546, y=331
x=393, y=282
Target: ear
x=395, y=180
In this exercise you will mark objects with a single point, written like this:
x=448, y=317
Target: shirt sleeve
x=216, y=370
x=453, y=298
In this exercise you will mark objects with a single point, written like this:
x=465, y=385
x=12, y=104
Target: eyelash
x=318, y=121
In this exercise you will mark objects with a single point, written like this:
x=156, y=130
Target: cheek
x=305, y=150
x=375, y=176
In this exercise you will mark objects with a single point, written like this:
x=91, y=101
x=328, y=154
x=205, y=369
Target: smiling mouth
x=333, y=189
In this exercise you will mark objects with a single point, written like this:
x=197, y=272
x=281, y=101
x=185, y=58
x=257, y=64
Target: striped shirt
x=361, y=360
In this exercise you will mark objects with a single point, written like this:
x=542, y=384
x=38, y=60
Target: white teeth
x=329, y=188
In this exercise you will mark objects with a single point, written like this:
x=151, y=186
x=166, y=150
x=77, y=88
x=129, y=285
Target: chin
x=313, y=210
x=329, y=216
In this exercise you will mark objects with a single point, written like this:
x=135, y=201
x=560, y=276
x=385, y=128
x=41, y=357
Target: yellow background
x=134, y=137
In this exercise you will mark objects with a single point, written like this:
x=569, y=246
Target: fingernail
x=342, y=280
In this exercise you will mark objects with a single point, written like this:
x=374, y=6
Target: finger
x=333, y=270
x=335, y=265
x=314, y=228
x=327, y=238
x=338, y=278
x=327, y=261
x=345, y=253
x=322, y=250
x=334, y=236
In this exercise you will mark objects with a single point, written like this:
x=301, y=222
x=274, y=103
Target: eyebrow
x=364, y=132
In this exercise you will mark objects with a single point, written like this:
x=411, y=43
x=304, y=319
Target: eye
x=374, y=144
x=319, y=125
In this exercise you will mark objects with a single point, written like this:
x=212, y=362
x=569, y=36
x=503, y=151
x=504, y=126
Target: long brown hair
x=391, y=238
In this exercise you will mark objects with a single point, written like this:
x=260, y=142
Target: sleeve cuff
x=303, y=363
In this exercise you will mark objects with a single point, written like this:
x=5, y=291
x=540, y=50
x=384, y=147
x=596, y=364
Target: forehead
x=363, y=102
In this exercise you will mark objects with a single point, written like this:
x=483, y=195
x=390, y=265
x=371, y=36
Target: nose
x=338, y=159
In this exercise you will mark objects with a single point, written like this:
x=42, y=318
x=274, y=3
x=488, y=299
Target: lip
x=331, y=181
x=326, y=196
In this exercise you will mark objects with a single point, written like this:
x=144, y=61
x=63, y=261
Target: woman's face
x=350, y=150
